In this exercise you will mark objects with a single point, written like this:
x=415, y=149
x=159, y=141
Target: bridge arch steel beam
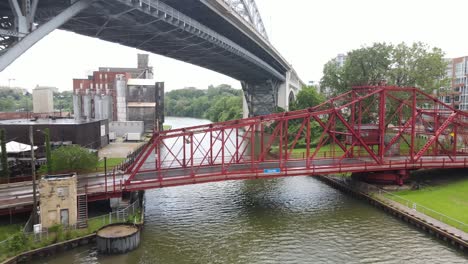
x=175, y=18
x=32, y=36
x=248, y=10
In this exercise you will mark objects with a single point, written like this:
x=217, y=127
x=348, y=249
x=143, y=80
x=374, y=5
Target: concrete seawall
x=51, y=250
x=454, y=237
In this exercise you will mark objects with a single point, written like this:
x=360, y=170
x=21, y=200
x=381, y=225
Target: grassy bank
x=111, y=163
x=445, y=192
x=7, y=230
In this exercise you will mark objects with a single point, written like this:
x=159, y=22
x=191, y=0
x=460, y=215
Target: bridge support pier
x=260, y=98
x=264, y=97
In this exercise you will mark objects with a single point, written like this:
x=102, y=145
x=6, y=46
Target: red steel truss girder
x=328, y=115
x=436, y=136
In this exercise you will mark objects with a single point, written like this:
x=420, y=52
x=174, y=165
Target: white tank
x=121, y=89
x=106, y=107
x=86, y=106
x=98, y=107
x=77, y=106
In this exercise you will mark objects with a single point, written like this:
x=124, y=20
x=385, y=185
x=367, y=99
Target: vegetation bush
x=71, y=159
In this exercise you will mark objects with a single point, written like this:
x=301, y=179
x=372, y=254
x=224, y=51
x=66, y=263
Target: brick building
x=118, y=94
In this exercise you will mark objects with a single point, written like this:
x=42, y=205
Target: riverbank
x=22, y=247
x=443, y=191
x=374, y=196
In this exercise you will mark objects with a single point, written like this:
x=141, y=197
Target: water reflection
x=285, y=220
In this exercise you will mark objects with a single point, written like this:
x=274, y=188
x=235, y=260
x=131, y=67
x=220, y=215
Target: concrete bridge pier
x=124, y=201
x=264, y=96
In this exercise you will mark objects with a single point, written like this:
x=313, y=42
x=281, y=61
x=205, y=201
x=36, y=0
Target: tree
x=63, y=101
x=71, y=159
x=368, y=65
x=4, y=156
x=219, y=103
x=416, y=66
x=419, y=66
x=333, y=77
x=48, y=150
x=307, y=97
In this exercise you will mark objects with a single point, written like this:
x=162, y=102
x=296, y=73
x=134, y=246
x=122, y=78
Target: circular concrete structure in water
x=118, y=238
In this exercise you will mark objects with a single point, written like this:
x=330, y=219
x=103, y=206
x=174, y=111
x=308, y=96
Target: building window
x=459, y=71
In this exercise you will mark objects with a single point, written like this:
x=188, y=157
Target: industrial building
x=119, y=95
x=93, y=134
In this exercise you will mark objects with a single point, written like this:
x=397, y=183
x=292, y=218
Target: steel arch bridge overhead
x=248, y=10
x=206, y=33
x=226, y=36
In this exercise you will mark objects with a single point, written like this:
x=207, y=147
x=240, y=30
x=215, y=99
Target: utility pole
x=48, y=150
x=33, y=173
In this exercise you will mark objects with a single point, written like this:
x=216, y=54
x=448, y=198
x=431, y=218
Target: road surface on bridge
x=20, y=194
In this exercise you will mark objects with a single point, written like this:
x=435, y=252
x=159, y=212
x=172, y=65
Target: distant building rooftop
x=143, y=82
x=53, y=89
x=46, y=121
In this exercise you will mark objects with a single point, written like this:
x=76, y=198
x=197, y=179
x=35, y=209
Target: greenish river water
x=286, y=220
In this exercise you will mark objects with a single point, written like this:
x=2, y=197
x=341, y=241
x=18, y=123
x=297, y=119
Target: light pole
x=33, y=174
x=9, y=82
x=46, y=133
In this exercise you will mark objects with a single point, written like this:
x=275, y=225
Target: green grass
x=449, y=199
x=324, y=150
x=7, y=230
x=167, y=127
x=111, y=162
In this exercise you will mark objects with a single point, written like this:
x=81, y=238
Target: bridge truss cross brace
x=372, y=130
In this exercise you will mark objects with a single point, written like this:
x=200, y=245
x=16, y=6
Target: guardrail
x=382, y=194
x=389, y=197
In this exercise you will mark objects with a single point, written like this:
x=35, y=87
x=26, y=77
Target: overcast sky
x=307, y=33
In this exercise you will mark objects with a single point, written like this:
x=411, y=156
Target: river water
x=285, y=220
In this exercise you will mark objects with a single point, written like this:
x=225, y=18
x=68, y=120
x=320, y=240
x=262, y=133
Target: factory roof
x=46, y=121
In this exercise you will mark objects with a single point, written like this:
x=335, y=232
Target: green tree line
x=415, y=65
x=217, y=104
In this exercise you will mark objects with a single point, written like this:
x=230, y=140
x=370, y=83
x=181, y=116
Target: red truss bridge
x=379, y=132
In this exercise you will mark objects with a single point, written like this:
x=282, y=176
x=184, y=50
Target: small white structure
x=14, y=147
x=133, y=137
